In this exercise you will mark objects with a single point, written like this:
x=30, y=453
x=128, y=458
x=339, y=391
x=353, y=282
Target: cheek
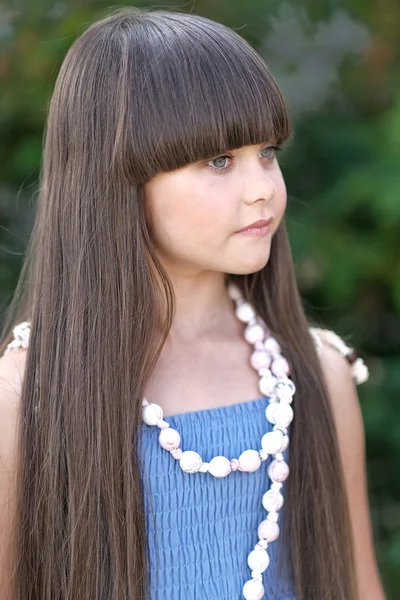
x=280, y=200
x=180, y=214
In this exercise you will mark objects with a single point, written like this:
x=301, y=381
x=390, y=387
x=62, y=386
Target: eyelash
x=225, y=169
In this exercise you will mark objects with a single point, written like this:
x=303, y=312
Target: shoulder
x=341, y=381
x=326, y=341
x=12, y=369
x=341, y=378
x=343, y=370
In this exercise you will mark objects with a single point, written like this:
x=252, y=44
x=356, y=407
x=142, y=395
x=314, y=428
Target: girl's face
x=194, y=212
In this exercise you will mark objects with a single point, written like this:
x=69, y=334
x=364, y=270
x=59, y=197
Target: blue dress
x=202, y=528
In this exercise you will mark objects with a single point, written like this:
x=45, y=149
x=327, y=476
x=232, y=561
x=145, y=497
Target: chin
x=246, y=267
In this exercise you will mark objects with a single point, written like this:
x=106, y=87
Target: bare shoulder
x=343, y=370
x=343, y=396
x=339, y=380
x=12, y=368
x=341, y=386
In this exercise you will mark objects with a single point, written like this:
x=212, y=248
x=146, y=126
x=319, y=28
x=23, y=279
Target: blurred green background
x=338, y=64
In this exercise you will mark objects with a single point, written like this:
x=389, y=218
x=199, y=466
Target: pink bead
x=169, y=439
x=260, y=359
x=280, y=367
x=268, y=531
x=278, y=471
x=254, y=333
x=249, y=461
x=272, y=345
x=234, y=464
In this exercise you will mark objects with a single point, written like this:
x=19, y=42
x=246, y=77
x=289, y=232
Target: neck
x=203, y=306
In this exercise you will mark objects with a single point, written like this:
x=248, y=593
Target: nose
x=259, y=183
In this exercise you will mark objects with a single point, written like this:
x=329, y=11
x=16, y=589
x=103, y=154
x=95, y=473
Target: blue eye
x=214, y=160
x=274, y=149
x=272, y=154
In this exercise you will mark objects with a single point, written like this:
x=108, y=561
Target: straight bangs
x=203, y=90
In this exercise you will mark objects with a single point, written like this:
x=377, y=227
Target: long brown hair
x=141, y=92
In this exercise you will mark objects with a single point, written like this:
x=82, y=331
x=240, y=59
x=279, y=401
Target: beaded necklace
x=274, y=383
x=273, y=369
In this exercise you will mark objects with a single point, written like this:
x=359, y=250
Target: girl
x=156, y=304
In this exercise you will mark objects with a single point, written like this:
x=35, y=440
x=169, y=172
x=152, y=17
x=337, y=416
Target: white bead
x=283, y=414
x=190, y=462
x=267, y=530
x=169, y=439
x=273, y=517
x=270, y=412
x=249, y=461
x=272, y=501
x=151, y=413
x=253, y=590
x=258, y=560
x=276, y=486
x=254, y=333
x=256, y=575
x=278, y=471
x=272, y=442
x=245, y=312
x=284, y=390
x=220, y=466
x=267, y=384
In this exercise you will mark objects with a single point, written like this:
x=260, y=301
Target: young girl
x=157, y=366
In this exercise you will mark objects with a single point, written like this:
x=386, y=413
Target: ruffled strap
x=21, y=336
x=359, y=369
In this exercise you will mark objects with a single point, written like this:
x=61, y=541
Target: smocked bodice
x=205, y=526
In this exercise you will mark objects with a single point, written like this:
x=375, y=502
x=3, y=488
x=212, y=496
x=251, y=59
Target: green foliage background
x=342, y=171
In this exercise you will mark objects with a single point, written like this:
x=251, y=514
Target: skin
x=193, y=213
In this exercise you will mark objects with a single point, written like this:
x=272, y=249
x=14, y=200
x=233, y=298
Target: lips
x=259, y=223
